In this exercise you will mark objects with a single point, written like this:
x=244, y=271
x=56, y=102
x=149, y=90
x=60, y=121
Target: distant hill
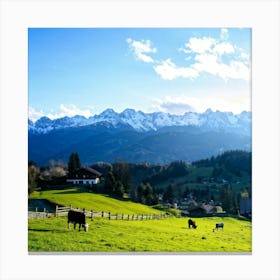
x=231, y=166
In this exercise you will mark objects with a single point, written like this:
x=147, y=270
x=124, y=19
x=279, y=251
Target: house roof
x=91, y=170
x=203, y=207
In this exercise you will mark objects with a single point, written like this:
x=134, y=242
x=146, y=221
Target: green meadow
x=91, y=201
x=165, y=235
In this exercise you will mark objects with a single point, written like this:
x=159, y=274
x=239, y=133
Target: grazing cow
x=219, y=225
x=77, y=218
x=192, y=224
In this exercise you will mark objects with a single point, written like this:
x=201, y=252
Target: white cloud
x=206, y=63
x=223, y=48
x=141, y=49
x=224, y=34
x=200, y=101
x=199, y=45
x=34, y=115
x=245, y=56
x=71, y=111
x=177, y=105
x=210, y=55
x=65, y=111
x=215, y=56
x=209, y=63
x=176, y=108
x=169, y=71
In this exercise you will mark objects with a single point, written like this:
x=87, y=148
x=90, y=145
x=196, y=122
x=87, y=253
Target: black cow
x=76, y=217
x=192, y=224
x=219, y=225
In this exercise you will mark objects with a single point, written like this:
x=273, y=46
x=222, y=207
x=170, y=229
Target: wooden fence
x=63, y=211
x=39, y=214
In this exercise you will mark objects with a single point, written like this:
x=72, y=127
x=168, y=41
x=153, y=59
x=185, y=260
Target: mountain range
x=138, y=137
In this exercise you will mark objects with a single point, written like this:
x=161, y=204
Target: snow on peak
x=147, y=122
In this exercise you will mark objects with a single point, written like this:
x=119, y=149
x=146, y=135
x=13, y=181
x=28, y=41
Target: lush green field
x=91, y=201
x=104, y=235
x=167, y=235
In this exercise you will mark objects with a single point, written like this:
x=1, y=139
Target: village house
x=194, y=208
x=85, y=176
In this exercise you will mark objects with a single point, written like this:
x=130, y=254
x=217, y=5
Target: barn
x=85, y=176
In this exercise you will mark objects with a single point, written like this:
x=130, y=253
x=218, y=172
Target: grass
x=91, y=201
x=167, y=235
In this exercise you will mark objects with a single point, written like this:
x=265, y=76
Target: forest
x=221, y=180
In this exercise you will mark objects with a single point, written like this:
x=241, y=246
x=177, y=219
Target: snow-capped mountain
x=142, y=122
x=138, y=137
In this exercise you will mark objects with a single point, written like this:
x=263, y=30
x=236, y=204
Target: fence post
x=132, y=217
x=142, y=217
x=56, y=208
x=102, y=214
x=122, y=216
x=91, y=215
x=116, y=216
x=128, y=217
x=109, y=215
x=70, y=206
x=44, y=213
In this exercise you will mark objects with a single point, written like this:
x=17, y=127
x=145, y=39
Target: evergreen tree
x=110, y=182
x=228, y=199
x=119, y=189
x=121, y=172
x=73, y=164
x=168, y=195
x=140, y=193
x=146, y=194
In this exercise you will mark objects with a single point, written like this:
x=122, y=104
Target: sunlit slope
x=95, y=202
x=166, y=235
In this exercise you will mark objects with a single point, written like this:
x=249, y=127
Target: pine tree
x=73, y=164
x=110, y=182
x=227, y=197
x=169, y=194
x=121, y=172
x=119, y=189
x=148, y=192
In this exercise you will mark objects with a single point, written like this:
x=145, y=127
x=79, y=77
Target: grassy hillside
x=167, y=235
x=96, y=202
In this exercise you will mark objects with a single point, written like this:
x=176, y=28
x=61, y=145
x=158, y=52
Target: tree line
x=140, y=181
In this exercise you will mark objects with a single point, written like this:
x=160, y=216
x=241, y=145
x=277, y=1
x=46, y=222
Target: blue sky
x=87, y=70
